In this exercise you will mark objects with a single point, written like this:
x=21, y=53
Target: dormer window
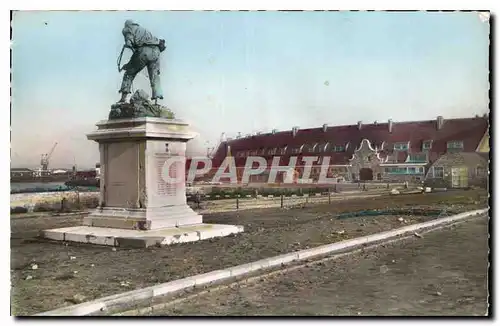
x=283, y=150
x=338, y=148
x=455, y=145
x=301, y=148
x=313, y=148
x=427, y=145
x=326, y=147
x=401, y=146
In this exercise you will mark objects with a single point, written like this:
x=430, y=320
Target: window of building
x=396, y=170
x=438, y=172
x=480, y=171
x=417, y=158
x=338, y=148
x=455, y=145
x=253, y=153
x=426, y=145
x=296, y=150
x=272, y=151
x=401, y=146
x=240, y=154
x=261, y=151
x=283, y=150
x=415, y=170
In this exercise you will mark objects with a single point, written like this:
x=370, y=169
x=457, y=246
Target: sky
x=242, y=72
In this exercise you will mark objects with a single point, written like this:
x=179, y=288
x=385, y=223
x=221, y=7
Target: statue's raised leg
x=132, y=68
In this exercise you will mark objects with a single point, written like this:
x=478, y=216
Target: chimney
x=325, y=127
x=360, y=124
x=274, y=131
x=440, y=122
x=294, y=131
x=390, y=125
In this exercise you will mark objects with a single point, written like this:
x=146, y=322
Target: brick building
x=391, y=151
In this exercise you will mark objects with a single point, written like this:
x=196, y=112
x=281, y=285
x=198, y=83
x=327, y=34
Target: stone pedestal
x=137, y=157
x=142, y=184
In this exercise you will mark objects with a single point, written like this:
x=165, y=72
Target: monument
x=142, y=157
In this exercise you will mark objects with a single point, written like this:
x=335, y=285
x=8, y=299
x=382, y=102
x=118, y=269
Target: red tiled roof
x=468, y=130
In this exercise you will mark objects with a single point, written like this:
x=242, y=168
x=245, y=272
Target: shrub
x=46, y=207
x=18, y=210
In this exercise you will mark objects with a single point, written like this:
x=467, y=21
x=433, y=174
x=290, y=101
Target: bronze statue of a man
x=146, y=53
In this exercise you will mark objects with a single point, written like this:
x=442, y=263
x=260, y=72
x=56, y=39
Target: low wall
x=53, y=201
x=278, y=189
x=32, y=201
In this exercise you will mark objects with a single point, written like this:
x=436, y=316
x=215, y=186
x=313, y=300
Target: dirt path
x=444, y=273
x=90, y=272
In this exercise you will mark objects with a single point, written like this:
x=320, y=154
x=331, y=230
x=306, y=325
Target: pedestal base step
x=143, y=219
x=138, y=238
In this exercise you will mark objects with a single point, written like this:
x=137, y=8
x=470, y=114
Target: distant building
x=391, y=151
x=458, y=170
x=21, y=173
x=60, y=171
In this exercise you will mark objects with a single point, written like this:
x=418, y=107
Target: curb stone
x=108, y=302
x=241, y=283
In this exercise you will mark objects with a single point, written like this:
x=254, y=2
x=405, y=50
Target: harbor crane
x=44, y=162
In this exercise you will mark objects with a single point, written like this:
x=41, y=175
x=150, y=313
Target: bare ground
x=443, y=274
x=89, y=272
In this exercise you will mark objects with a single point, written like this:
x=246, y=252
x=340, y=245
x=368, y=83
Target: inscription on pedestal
x=171, y=188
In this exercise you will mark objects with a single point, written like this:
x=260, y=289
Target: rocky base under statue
x=139, y=107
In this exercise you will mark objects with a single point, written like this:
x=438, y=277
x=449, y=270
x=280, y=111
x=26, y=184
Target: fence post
x=237, y=203
x=281, y=201
x=329, y=196
x=63, y=204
